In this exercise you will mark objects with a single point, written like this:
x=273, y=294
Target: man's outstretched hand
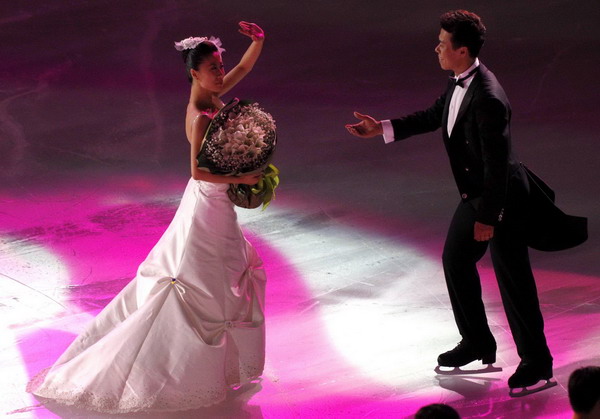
x=368, y=127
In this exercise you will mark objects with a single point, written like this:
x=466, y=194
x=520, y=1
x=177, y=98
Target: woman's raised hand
x=252, y=30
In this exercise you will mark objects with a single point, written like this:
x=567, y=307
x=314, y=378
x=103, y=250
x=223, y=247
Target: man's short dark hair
x=437, y=411
x=584, y=389
x=466, y=28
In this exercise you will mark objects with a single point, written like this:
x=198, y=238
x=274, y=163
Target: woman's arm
x=199, y=128
x=245, y=65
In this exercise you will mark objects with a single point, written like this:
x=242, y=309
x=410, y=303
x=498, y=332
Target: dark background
x=90, y=88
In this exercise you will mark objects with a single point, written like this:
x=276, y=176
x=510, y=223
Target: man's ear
x=464, y=51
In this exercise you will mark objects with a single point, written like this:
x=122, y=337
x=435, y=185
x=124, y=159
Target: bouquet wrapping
x=241, y=139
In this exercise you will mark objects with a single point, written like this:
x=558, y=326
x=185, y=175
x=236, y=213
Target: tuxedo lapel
x=466, y=102
x=449, y=92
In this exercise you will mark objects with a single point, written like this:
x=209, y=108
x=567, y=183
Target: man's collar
x=468, y=70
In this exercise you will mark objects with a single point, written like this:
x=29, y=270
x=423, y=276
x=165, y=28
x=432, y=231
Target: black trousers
x=510, y=258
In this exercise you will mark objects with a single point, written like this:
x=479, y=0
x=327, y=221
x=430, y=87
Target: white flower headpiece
x=192, y=42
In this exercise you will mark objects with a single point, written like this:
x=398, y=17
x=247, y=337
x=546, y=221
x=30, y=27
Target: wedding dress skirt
x=189, y=326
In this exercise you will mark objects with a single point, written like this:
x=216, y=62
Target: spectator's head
x=437, y=411
x=584, y=392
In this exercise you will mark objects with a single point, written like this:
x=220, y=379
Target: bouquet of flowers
x=241, y=139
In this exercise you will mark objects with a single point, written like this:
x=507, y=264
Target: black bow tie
x=460, y=82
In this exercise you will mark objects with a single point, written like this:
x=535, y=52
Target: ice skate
x=530, y=378
x=450, y=363
x=489, y=368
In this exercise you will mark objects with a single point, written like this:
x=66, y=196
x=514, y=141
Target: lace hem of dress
x=87, y=400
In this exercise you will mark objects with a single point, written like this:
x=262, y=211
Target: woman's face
x=211, y=72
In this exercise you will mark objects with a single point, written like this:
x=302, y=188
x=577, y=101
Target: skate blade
x=525, y=391
x=458, y=371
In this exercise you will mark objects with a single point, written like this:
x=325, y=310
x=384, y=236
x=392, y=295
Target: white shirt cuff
x=388, y=131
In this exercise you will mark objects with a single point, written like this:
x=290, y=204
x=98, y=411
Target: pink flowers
x=240, y=139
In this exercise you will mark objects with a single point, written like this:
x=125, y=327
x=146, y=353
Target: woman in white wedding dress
x=190, y=325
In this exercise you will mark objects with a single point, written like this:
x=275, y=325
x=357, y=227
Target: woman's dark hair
x=466, y=28
x=195, y=56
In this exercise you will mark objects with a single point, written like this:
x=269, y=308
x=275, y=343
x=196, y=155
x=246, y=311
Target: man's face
x=449, y=58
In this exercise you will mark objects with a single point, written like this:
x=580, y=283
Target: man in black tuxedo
x=474, y=115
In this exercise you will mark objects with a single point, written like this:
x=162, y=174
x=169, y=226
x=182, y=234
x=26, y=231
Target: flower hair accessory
x=193, y=42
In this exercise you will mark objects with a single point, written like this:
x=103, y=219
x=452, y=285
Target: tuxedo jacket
x=482, y=162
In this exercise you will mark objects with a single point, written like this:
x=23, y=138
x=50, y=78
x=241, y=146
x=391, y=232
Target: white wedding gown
x=189, y=326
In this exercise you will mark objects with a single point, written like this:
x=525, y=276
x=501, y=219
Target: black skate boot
x=462, y=355
x=528, y=375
